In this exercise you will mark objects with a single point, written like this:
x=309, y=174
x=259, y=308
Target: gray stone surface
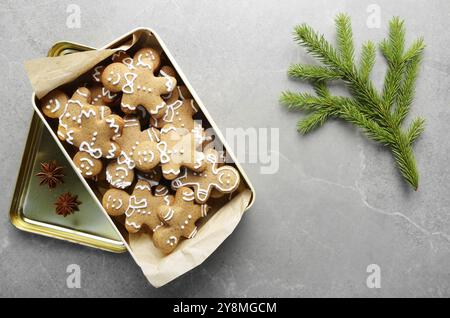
x=336, y=205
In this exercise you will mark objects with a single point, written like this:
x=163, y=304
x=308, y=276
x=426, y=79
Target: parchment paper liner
x=48, y=73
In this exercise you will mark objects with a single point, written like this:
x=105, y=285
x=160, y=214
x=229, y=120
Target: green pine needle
x=379, y=114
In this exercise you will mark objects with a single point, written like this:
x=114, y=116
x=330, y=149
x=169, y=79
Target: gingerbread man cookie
x=179, y=219
x=138, y=83
x=90, y=128
x=177, y=150
x=225, y=179
x=141, y=207
x=120, y=173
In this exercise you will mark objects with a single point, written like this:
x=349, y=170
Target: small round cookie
x=53, y=103
x=119, y=175
x=88, y=166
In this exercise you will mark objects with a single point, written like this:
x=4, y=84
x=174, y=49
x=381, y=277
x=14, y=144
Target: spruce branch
x=380, y=114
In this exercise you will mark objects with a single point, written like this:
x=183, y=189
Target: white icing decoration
x=141, y=63
x=168, y=216
x=94, y=152
x=128, y=88
x=158, y=108
x=113, y=125
x=96, y=74
x=57, y=106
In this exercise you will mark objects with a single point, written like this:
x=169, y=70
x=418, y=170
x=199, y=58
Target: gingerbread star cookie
x=224, y=179
x=138, y=83
x=179, y=218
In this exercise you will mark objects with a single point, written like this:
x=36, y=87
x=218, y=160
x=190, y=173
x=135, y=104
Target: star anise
x=51, y=174
x=67, y=204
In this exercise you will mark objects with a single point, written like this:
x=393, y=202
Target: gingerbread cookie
x=101, y=96
x=53, y=103
x=153, y=177
x=138, y=83
x=225, y=179
x=138, y=150
x=141, y=207
x=177, y=150
x=179, y=219
x=119, y=175
x=88, y=166
x=179, y=113
x=90, y=128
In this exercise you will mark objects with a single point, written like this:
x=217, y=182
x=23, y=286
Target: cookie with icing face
x=53, y=103
x=88, y=166
x=138, y=149
x=138, y=83
x=119, y=175
x=224, y=179
x=179, y=218
x=178, y=150
x=140, y=208
x=90, y=128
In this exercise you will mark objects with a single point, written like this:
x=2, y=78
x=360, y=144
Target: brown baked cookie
x=179, y=219
x=141, y=207
x=119, y=56
x=138, y=83
x=138, y=150
x=87, y=165
x=153, y=177
x=119, y=175
x=53, y=103
x=178, y=113
x=177, y=150
x=101, y=96
x=90, y=128
x=225, y=179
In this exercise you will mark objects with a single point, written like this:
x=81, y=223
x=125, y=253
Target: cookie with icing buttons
x=224, y=179
x=179, y=218
x=101, y=96
x=53, y=103
x=178, y=149
x=138, y=83
x=140, y=208
x=90, y=128
x=138, y=149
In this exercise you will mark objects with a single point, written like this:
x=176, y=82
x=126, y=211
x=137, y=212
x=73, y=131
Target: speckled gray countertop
x=336, y=204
